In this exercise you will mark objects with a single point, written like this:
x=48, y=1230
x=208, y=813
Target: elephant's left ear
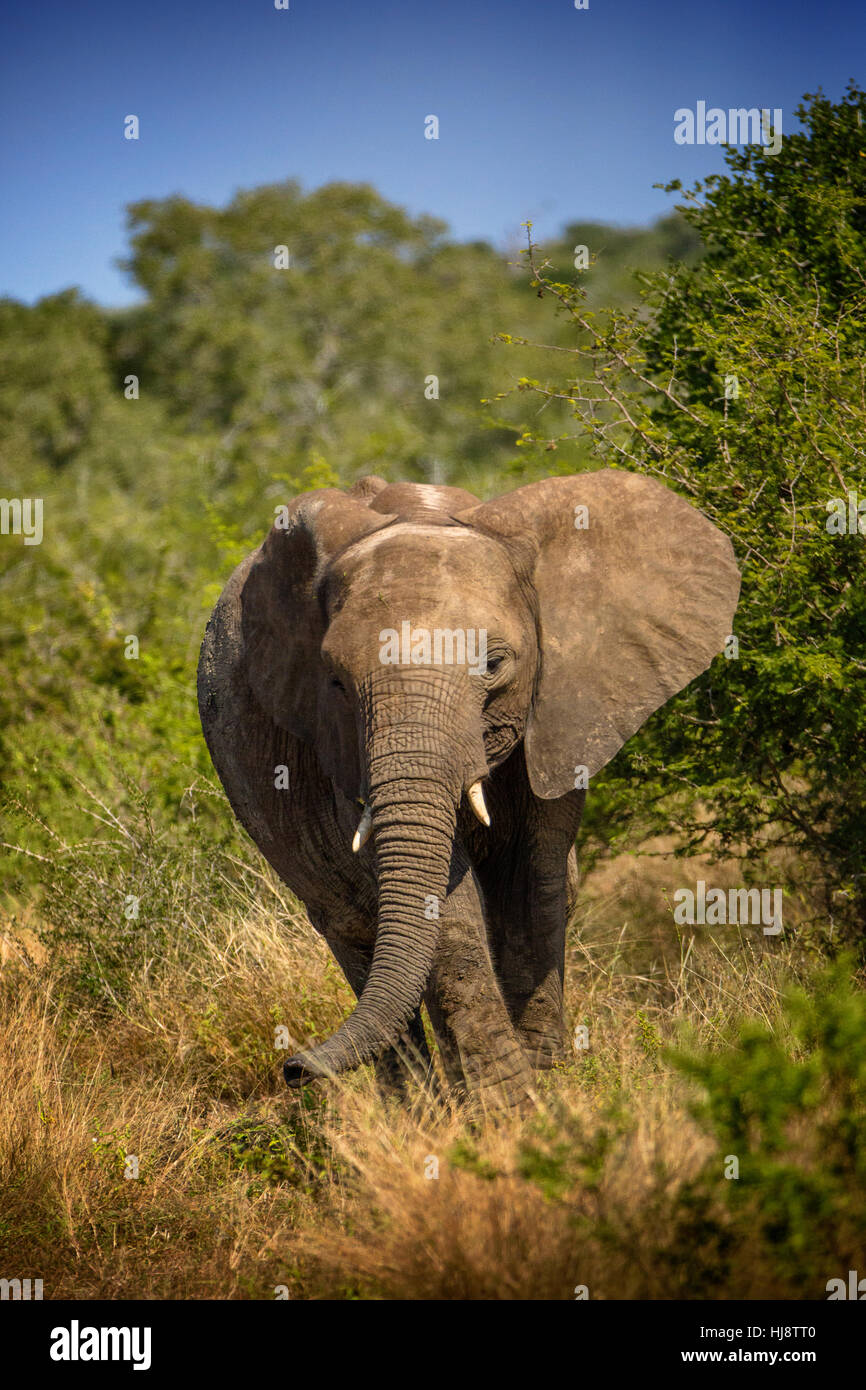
x=636, y=595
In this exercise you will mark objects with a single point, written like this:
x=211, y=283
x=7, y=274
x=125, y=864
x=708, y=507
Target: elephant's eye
x=338, y=684
x=497, y=664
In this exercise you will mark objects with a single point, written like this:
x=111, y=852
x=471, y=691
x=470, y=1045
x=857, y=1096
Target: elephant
x=419, y=788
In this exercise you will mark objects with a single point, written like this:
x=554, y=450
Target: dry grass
x=243, y=1188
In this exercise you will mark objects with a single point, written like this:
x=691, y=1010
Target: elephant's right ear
x=282, y=621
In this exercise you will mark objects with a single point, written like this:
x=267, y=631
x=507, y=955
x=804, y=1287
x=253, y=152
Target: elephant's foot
x=509, y=1097
x=492, y=1070
x=540, y=1024
x=543, y=1050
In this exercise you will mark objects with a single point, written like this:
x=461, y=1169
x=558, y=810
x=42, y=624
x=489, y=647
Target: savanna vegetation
x=706, y=1139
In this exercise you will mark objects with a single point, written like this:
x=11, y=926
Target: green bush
x=783, y=1198
x=777, y=1208
x=739, y=382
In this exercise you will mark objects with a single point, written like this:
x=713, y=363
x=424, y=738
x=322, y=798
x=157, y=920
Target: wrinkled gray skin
x=588, y=631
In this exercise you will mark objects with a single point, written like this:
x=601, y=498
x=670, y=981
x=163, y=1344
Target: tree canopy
x=739, y=381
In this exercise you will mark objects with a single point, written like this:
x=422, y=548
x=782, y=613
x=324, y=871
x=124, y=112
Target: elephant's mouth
x=501, y=740
x=474, y=795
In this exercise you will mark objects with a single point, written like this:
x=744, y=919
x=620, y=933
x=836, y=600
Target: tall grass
x=148, y=1147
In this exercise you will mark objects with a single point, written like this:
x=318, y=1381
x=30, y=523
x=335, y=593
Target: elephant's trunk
x=416, y=778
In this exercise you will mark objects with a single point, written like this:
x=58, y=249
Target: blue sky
x=545, y=112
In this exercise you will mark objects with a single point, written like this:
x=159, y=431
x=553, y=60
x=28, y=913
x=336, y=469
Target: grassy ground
x=611, y=1185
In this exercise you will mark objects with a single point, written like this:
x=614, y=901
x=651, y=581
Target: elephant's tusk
x=362, y=834
x=476, y=801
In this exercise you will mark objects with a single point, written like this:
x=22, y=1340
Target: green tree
x=325, y=350
x=54, y=380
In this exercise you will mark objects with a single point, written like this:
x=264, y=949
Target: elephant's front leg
x=529, y=880
x=481, y=1051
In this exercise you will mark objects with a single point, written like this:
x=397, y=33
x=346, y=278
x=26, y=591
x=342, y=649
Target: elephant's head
x=567, y=611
